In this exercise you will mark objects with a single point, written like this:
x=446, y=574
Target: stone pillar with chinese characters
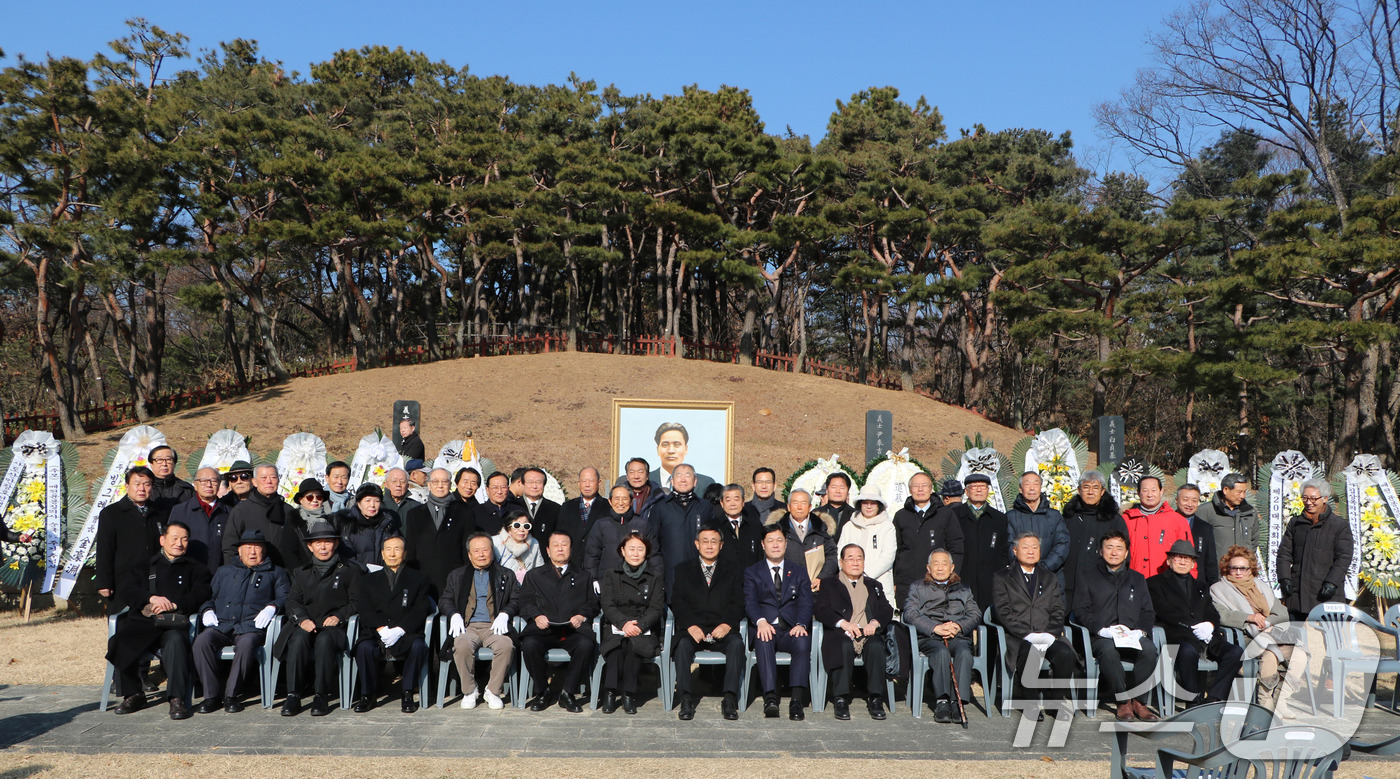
x=1110, y=441
x=879, y=431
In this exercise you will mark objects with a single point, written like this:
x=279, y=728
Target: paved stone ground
x=65, y=719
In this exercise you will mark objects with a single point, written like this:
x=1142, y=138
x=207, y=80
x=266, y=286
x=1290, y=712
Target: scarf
x=308, y=516
x=270, y=505
x=977, y=510
x=634, y=573
x=519, y=550
x=1250, y=591
x=684, y=498
x=622, y=518
x=321, y=566
x=337, y=498
x=1149, y=512
x=437, y=508
x=392, y=576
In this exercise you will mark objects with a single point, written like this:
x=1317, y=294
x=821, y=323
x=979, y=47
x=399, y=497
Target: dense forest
x=229, y=219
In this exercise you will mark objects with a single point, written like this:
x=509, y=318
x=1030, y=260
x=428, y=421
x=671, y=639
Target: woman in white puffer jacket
x=872, y=529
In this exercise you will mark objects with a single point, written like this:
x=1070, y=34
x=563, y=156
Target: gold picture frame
x=708, y=429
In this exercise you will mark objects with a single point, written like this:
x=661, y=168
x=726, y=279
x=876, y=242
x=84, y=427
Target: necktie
x=709, y=574
x=777, y=579
x=533, y=506
x=583, y=511
x=736, y=527
x=560, y=569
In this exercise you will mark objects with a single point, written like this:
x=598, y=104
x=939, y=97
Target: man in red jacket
x=1153, y=527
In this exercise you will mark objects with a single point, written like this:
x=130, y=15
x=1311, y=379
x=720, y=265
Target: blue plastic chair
x=1338, y=624
x=447, y=688
x=347, y=663
x=556, y=656
x=981, y=666
x=424, y=690
x=1007, y=676
x=110, y=677
x=784, y=659
x=267, y=679
x=662, y=662
x=819, y=689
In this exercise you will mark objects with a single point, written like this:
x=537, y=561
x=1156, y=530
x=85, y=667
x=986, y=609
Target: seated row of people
x=434, y=541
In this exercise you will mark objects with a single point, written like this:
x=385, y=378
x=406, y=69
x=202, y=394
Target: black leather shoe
x=210, y=705
x=943, y=711
x=842, y=708
x=178, y=709
x=609, y=704
x=149, y=685
x=687, y=708
x=410, y=705
x=728, y=708
x=319, y=707
x=876, y=707
x=629, y=703
x=233, y=705
x=363, y=704
x=569, y=703
x=131, y=704
x=292, y=706
x=795, y=710
x=539, y=702
x=770, y=706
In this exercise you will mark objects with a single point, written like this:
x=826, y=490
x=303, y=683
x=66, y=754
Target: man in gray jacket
x=1235, y=522
x=945, y=614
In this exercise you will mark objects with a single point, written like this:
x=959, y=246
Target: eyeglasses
x=520, y=526
x=240, y=477
x=1312, y=498
x=1239, y=569
x=206, y=481
x=163, y=460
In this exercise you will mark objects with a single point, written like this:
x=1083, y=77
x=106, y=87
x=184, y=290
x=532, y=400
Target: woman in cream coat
x=872, y=529
x=1247, y=603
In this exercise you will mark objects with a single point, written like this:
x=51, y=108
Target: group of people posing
x=738, y=571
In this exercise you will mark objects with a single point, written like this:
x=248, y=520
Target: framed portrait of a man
x=667, y=433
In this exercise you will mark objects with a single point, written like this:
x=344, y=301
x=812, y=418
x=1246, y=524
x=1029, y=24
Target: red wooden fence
x=122, y=414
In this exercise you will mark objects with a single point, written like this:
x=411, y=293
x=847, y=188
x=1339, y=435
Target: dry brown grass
x=555, y=410
x=56, y=647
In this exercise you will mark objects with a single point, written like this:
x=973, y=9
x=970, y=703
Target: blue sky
x=1004, y=63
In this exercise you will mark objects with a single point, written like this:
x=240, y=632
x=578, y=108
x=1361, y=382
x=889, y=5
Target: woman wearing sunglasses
x=1247, y=603
x=516, y=550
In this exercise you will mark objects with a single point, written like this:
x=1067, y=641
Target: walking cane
x=957, y=691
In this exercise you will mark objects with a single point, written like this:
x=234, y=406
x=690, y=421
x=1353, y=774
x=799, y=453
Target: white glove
x=457, y=626
x=210, y=619
x=265, y=616
x=596, y=589
x=1203, y=630
x=1040, y=640
x=500, y=624
x=390, y=636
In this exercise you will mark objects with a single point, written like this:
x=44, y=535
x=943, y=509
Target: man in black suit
x=318, y=610
x=544, y=513
x=743, y=534
x=160, y=605
x=490, y=516
x=836, y=511
x=1110, y=598
x=435, y=533
x=1187, y=614
x=127, y=530
x=558, y=603
x=205, y=515
x=394, y=603
x=577, y=515
x=708, y=605
x=778, y=603
x=855, y=612
x=1029, y=603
